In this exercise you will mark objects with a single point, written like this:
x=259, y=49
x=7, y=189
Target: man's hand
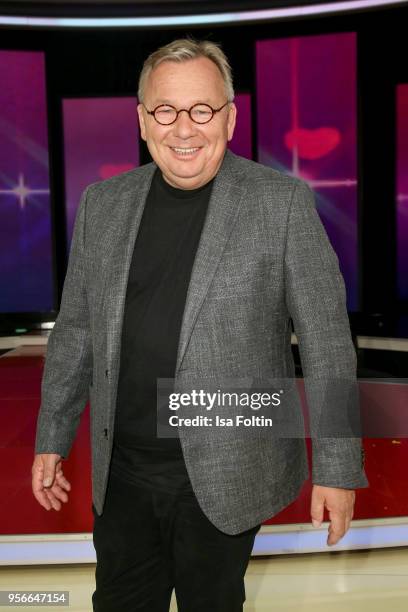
x=339, y=503
x=48, y=481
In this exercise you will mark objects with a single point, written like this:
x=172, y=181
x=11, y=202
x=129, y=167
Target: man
x=191, y=266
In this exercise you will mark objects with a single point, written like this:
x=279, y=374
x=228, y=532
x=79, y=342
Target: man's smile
x=185, y=151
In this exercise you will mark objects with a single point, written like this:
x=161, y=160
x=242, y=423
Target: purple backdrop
x=25, y=248
x=306, y=93
x=402, y=190
x=101, y=139
x=241, y=144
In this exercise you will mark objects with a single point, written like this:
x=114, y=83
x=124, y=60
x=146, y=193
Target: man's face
x=188, y=154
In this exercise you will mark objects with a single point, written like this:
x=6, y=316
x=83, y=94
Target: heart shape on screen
x=108, y=170
x=312, y=144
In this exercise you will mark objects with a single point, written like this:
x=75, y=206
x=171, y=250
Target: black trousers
x=150, y=542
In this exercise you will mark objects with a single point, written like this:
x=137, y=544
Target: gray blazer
x=263, y=259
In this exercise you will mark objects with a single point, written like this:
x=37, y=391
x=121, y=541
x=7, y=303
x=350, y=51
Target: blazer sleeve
x=316, y=300
x=68, y=364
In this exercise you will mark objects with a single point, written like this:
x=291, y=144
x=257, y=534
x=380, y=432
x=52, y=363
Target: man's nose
x=184, y=126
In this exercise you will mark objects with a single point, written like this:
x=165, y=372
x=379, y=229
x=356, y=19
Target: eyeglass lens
x=200, y=113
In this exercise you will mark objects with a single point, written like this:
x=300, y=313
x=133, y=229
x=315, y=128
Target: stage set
x=322, y=94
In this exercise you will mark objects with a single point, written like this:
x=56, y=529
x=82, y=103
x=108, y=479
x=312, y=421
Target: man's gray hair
x=182, y=50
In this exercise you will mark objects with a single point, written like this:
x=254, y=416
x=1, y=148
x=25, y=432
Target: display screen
x=241, y=142
x=26, y=282
x=306, y=118
x=101, y=139
x=402, y=191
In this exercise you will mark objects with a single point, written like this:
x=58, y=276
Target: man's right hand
x=48, y=481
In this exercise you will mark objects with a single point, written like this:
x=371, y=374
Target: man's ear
x=232, y=118
x=141, y=121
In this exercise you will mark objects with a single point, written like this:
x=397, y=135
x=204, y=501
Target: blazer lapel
x=129, y=209
x=223, y=207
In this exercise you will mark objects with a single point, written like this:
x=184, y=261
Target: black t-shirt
x=158, y=281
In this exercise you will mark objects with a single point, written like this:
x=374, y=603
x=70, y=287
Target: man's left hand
x=340, y=505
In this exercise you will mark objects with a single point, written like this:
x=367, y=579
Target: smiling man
x=193, y=265
x=187, y=132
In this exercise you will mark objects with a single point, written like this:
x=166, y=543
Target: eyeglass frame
x=213, y=110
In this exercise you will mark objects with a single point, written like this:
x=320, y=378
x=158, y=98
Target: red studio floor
x=20, y=383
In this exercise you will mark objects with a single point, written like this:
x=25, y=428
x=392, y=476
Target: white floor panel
x=358, y=581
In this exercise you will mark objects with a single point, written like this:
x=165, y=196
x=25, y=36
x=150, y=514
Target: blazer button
x=105, y=432
x=106, y=373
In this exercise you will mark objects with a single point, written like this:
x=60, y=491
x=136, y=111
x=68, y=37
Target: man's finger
x=51, y=466
x=62, y=481
x=59, y=493
x=55, y=503
x=317, y=509
x=49, y=475
x=337, y=527
x=37, y=487
x=42, y=499
x=334, y=536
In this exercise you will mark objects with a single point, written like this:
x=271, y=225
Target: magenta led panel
x=101, y=139
x=241, y=143
x=26, y=283
x=402, y=191
x=306, y=105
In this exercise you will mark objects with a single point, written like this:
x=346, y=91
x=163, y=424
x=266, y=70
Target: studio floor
x=359, y=581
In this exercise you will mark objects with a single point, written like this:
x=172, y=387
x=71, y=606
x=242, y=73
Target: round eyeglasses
x=165, y=114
